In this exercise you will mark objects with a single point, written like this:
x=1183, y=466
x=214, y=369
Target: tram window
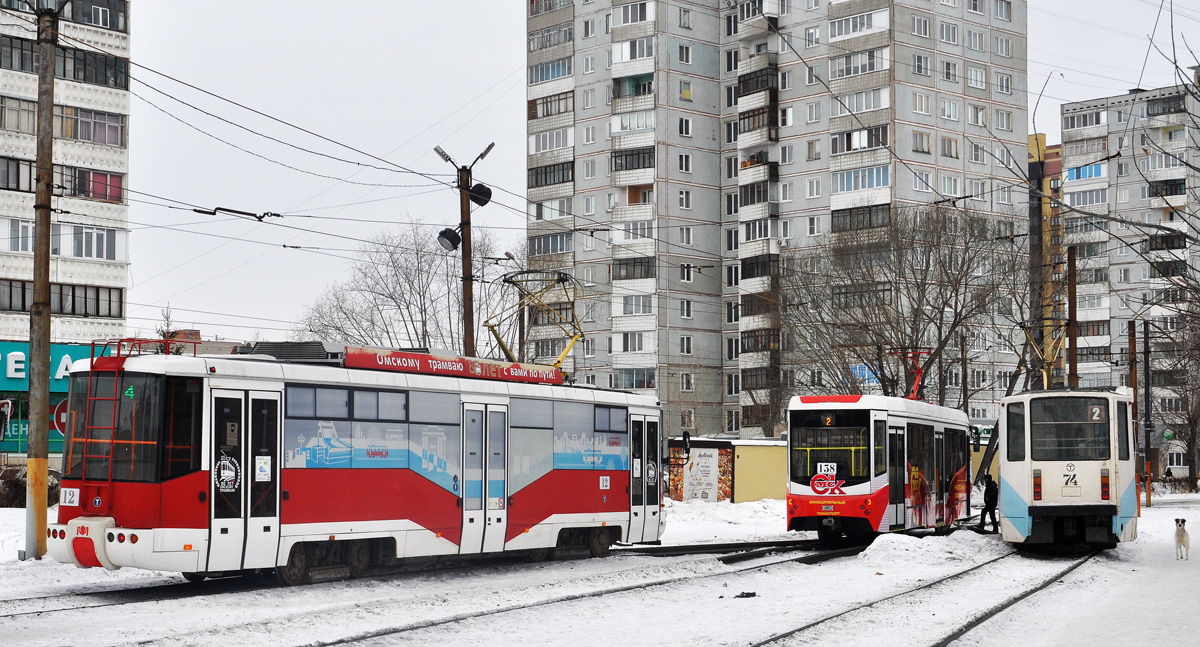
x=393, y=406
x=333, y=403
x=1069, y=429
x=611, y=419
x=426, y=406
x=1015, y=425
x=536, y=414
x=181, y=440
x=1122, y=431
x=880, y=448
x=366, y=405
x=301, y=402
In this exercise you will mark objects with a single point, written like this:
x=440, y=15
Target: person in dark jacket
x=990, y=495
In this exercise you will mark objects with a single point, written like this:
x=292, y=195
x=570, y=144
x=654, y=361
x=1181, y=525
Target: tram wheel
x=358, y=557
x=599, y=542
x=538, y=554
x=193, y=577
x=296, y=569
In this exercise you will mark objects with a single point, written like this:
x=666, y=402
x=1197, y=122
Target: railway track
x=392, y=632
x=115, y=597
x=857, y=621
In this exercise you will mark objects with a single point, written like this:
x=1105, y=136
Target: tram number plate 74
x=1069, y=479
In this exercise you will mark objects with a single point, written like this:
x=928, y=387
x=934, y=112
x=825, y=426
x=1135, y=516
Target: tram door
x=645, y=482
x=244, y=529
x=485, y=479
x=897, y=478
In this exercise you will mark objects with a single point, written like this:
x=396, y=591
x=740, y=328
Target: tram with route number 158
x=865, y=464
x=1068, y=473
x=219, y=465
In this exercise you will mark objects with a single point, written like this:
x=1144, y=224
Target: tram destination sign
x=402, y=362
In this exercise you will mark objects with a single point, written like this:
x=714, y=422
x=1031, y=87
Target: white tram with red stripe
x=862, y=464
x=215, y=465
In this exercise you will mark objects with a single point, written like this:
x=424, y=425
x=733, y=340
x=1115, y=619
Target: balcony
x=758, y=211
x=752, y=171
x=633, y=177
x=760, y=99
x=635, y=140
x=758, y=62
x=539, y=7
x=757, y=17
x=758, y=248
x=633, y=212
x=758, y=137
x=1169, y=201
x=632, y=248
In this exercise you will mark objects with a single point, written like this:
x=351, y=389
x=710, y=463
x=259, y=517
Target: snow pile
x=930, y=550
x=700, y=521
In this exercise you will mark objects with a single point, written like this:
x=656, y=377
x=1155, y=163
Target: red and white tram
x=861, y=464
x=221, y=464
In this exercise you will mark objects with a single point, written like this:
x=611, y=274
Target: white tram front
x=1067, y=468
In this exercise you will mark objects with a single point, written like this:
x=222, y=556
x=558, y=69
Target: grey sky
x=394, y=79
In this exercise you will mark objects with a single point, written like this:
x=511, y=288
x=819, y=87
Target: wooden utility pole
x=464, y=206
x=1147, y=425
x=39, y=311
x=1072, y=323
x=962, y=343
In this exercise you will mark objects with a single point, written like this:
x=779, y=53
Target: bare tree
x=405, y=291
x=898, y=291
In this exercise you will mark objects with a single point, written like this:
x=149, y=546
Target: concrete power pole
x=39, y=312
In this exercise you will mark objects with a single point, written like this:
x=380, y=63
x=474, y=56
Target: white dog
x=1182, y=547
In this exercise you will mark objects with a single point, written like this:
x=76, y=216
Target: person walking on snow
x=990, y=492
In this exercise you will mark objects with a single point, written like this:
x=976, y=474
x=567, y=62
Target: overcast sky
x=393, y=79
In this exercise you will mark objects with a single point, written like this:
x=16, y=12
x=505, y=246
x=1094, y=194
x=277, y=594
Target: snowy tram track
x=440, y=596
x=611, y=590
x=1009, y=603
x=175, y=590
x=874, y=622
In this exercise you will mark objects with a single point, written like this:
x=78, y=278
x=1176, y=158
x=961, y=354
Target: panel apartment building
x=678, y=150
x=88, y=263
x=1124, y=161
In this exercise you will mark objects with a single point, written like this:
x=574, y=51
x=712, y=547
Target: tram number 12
x=1069, y=479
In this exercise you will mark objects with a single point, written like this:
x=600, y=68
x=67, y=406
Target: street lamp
x=450, y=239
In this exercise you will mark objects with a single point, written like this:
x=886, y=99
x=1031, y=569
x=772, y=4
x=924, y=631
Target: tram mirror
x=975, y=436
x=687, y=443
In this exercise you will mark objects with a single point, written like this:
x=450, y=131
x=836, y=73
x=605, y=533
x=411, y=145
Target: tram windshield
x=830, y=442
x=149, y=433
x=1069, y=429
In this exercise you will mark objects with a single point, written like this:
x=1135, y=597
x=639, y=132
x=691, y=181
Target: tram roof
x=879, y=402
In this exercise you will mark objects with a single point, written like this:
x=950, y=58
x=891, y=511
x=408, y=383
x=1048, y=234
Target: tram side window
x=1015, y=426
x=301, y=402
x=181, y=438
x=880, y=447
x=1122, y=431
x=333, y=403
x=612, y=419
x=530, y=441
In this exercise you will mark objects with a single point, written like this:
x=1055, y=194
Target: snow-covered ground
x=1137, y=591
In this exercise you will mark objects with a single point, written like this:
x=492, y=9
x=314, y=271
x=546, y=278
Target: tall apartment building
x=1047, y=258
x=1124, y=161
x=678, y=150
x=89, y=262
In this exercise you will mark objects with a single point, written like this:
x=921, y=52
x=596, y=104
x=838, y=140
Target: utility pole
x=451, y=238
x=39, y=311
x=1133, y=385
x=962, y=343
x=1072, y=323
x=464, y=228
x=1147, y=426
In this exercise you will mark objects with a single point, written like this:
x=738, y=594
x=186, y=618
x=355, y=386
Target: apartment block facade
x=1125, y=167
x=680, y=151
x=89, y=268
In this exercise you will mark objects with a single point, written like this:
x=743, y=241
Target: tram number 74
x=1069, y=479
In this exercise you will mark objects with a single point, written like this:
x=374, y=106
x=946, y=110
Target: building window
x=948, y=32
x=921, y=103
x=814, y=187
x=685, y=126
x=685, y=345
x=950, y=71
x=75, y=123
x=920, y=26
x=685, y=272
x=550, y=71
x=685, y=91
x=685, y=199
x=920, y=65
x=685, y=163
x=685, y=308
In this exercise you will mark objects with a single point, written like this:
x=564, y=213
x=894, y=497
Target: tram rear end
x=1067, y=469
